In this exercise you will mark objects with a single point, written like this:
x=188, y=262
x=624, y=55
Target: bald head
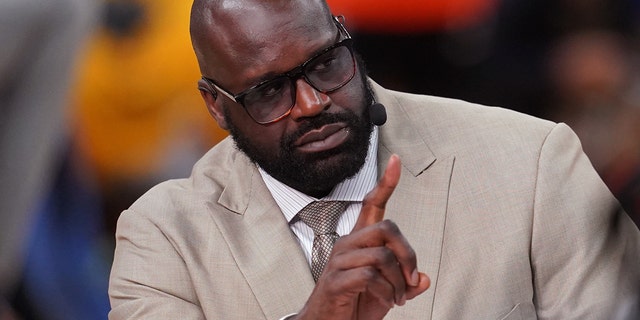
x=225, y=32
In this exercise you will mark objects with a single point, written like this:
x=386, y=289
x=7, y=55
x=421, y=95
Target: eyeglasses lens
x=326, y=72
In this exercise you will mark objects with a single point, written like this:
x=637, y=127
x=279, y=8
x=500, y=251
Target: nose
x=309, y=101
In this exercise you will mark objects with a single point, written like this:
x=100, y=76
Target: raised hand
x=373, y=268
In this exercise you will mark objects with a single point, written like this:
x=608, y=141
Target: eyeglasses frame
x=293, y=74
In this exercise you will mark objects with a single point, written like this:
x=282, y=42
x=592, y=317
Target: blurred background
x=99, y=103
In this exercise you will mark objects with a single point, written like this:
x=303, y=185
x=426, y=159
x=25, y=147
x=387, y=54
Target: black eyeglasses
x=273, y=99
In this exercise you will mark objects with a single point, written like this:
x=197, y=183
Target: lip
x=327, y=137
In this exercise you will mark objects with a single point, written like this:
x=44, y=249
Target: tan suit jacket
x=505, y=212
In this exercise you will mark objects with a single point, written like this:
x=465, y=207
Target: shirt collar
x=291, y=201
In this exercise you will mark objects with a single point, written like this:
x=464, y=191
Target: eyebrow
x=273, y=74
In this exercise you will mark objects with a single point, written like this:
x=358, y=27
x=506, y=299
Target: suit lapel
x=419, y=204
x=263, y=245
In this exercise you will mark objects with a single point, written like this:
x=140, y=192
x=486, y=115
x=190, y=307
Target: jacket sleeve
x=149, y=279
x=585, y=249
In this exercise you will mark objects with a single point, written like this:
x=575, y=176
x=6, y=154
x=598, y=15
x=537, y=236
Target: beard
x=318, y=173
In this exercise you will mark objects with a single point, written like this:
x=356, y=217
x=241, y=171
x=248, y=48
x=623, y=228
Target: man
x=491, y=214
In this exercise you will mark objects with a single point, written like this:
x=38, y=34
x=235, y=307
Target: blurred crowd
x=99, y=102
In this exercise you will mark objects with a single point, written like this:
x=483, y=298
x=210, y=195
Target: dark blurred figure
x=40, y=40
x=497, y=57
x=68, y=253
x=597, y=92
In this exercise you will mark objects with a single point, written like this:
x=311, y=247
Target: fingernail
x=415, y=278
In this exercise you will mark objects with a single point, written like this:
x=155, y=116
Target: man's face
x=325, y=137
x=312, y=172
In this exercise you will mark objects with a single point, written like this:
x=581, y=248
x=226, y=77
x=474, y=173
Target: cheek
x=237, y=117
x=265, y=139
x=352, y=95
x=260, y=136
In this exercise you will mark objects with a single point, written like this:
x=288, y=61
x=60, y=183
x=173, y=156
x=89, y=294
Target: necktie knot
x=323, y=216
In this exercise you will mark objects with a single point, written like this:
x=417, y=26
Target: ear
x=214, y=106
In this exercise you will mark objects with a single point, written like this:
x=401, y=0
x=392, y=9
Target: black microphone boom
x=378, y=114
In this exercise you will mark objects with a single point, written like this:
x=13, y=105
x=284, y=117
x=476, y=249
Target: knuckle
x=386, y=257
x=368, y=274
x=389, y=226
x=409, y=254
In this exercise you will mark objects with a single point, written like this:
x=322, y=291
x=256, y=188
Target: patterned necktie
x=322, y=217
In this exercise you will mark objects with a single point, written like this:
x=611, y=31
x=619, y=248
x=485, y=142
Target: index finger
x=373, y=205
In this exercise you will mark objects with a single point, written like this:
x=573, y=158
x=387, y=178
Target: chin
x=323, y=171
x=319, y=176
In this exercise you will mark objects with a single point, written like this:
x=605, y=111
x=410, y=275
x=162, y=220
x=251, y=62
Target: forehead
x=255, y=42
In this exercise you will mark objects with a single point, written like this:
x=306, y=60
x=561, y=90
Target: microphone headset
x=377, y=114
